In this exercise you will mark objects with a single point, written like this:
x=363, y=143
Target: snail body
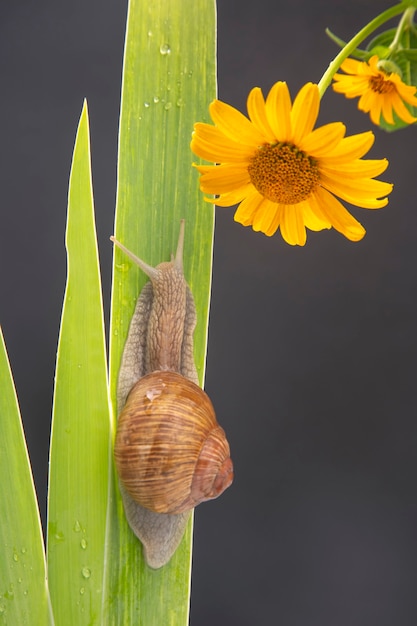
x=170, y=452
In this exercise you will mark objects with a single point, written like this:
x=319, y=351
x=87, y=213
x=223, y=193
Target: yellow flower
x=380, y=92
x=281, y=172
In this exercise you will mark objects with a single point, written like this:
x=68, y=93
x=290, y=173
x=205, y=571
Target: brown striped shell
x=170, y=452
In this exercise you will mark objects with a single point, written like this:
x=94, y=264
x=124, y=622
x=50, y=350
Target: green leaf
x=409, y=54
x=383, y=39
x=23, y=591
x=79, y=457
x=169, y=79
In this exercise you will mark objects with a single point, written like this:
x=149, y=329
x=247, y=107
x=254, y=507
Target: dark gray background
x=312, y=351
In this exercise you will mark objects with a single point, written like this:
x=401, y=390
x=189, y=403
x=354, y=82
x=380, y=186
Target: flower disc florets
x=283, y=174
x=380, y=85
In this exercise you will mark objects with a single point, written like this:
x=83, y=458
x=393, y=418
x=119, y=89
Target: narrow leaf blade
x=79, y=458
x=23, y=590
x=169, y=80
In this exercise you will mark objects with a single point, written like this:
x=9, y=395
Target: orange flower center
x=380, y=84
x=283, y=173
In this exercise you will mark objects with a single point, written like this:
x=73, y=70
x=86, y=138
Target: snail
x=170, y=453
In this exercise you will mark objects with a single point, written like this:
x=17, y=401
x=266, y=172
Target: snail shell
x=170, y=452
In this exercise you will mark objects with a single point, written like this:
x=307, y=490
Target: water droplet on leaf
x=165, y=49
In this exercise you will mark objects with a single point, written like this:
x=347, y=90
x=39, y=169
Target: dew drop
x=116, y=332
x=77, y=526
x=83, y=544
x=2, y=609
x=156, y=99
x=15, y=557
x=82, y=590
x=180, y=102
x=25, y=593
x=146, y=105
x=190, y=73
x=150, y=33
x=23, y=550
x=19, y=580
x=167, y=106
x=165, y=49
x=86, y=572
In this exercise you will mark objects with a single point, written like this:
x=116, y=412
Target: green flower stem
x=357, y=39
x=407, y=18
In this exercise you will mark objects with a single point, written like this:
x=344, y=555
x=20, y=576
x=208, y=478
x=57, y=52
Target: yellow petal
x=351, y=86
x=370, y=103
x=235, y=125
x=387, y=111
x=402, y=111
x=257, y=114
x=353, y=147
x=323, y=140
x=362, y=192
x=267, y=217
x=406, y=92
x=304, y=112
x=232, y=197
x=350, y=66
x=339, y=217
x=359, y=168
x=209, y=143
x=275, y=221
x=223, y=179
x=313, y=217
x=371, y=67
x=248, y=207
x=292, y=226
x=278, y=108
